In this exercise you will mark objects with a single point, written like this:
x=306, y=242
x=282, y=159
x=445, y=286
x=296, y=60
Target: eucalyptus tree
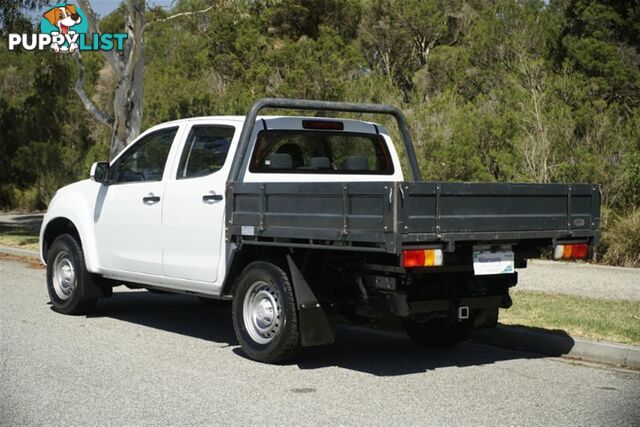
x=129, y=67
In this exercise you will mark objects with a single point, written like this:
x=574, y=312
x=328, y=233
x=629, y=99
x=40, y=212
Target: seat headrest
x=294, y=151
x=280, y=161
x=320, y=163
x=356, y=163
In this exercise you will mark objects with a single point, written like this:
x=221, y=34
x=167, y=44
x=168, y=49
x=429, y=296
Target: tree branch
x=178, y=15
x=112, y=58
x=100, y=115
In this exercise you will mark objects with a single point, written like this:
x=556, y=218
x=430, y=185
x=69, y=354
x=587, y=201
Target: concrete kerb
x=19, y=252
x=559, y=344
x=517, y=338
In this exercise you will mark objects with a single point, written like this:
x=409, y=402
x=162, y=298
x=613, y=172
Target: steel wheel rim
x=261, y=312
x=64, y=275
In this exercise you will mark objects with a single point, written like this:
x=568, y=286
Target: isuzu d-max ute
x=301, y=221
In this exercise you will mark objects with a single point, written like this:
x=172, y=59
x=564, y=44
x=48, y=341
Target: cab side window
x=205, y=150
x=146, y=160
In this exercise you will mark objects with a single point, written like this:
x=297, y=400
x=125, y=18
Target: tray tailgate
x=478, y=207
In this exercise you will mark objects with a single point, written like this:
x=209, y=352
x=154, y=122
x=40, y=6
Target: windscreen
x=324, y=152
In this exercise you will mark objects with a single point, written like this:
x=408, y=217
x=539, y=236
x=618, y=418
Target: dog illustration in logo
x=63, y=17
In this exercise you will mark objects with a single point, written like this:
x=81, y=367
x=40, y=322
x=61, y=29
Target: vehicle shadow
x=179, y=314
x=380, y=353
x=392, y=353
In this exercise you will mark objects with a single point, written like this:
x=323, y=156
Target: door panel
x=129, y=230
x=128, y=222
x=193, y=209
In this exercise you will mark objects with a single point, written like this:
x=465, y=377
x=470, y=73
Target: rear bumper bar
x=402, y=308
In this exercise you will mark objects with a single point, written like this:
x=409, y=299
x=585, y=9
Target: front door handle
x=212, y=197
x=151, y=199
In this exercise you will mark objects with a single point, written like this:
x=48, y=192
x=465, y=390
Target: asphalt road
x=143, y=358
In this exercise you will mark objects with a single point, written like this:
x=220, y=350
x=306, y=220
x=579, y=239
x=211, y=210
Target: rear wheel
x=67, y=277
x=264, y=314
x=438, y=333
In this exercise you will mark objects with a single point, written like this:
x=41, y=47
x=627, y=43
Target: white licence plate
x=486, y=262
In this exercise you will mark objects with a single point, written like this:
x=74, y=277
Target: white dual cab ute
x=302, y=221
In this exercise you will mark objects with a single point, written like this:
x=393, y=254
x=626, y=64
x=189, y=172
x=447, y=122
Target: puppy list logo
x=64, y=28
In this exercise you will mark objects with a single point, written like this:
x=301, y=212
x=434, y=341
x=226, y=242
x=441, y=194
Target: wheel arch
x=245, y=256
x=75, y=207
x=65, y=224
x=56, y=227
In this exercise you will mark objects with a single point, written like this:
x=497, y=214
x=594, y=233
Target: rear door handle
x=151, y=199
x=212, y=197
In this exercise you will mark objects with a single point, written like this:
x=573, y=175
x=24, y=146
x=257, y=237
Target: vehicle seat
x=320, y=163
x=356, y=163
x=280, y=161
x=295, y=152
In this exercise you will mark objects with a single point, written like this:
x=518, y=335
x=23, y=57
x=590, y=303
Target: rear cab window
x=305, y=151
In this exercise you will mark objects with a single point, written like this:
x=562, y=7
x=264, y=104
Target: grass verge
x=18, y=237
x=615, y=321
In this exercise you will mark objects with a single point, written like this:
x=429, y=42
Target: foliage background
x=502, y=90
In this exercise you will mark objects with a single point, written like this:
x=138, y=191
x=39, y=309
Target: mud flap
x=314, y=326
x=96, y=287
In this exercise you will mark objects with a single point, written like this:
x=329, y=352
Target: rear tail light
x=571, y=251
x=422, y=258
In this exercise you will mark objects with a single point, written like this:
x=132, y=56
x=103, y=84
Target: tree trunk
x=127, y=102
x=127, y=107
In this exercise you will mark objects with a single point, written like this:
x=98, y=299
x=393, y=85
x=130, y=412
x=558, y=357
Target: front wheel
x=264, y=314
x=67, y=277
x=439, y=333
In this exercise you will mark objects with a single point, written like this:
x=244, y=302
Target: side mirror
x=99, y=172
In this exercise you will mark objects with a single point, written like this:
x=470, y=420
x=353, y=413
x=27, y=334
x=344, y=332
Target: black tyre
x=440, y=333
x=265, y=318
x=67, y=277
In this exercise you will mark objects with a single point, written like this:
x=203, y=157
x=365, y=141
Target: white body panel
x=177, y=242
x=193, y=229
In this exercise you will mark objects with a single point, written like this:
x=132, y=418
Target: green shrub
x=28, y=199
x=5, y=196
x=40, y=168
x=621, y=240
